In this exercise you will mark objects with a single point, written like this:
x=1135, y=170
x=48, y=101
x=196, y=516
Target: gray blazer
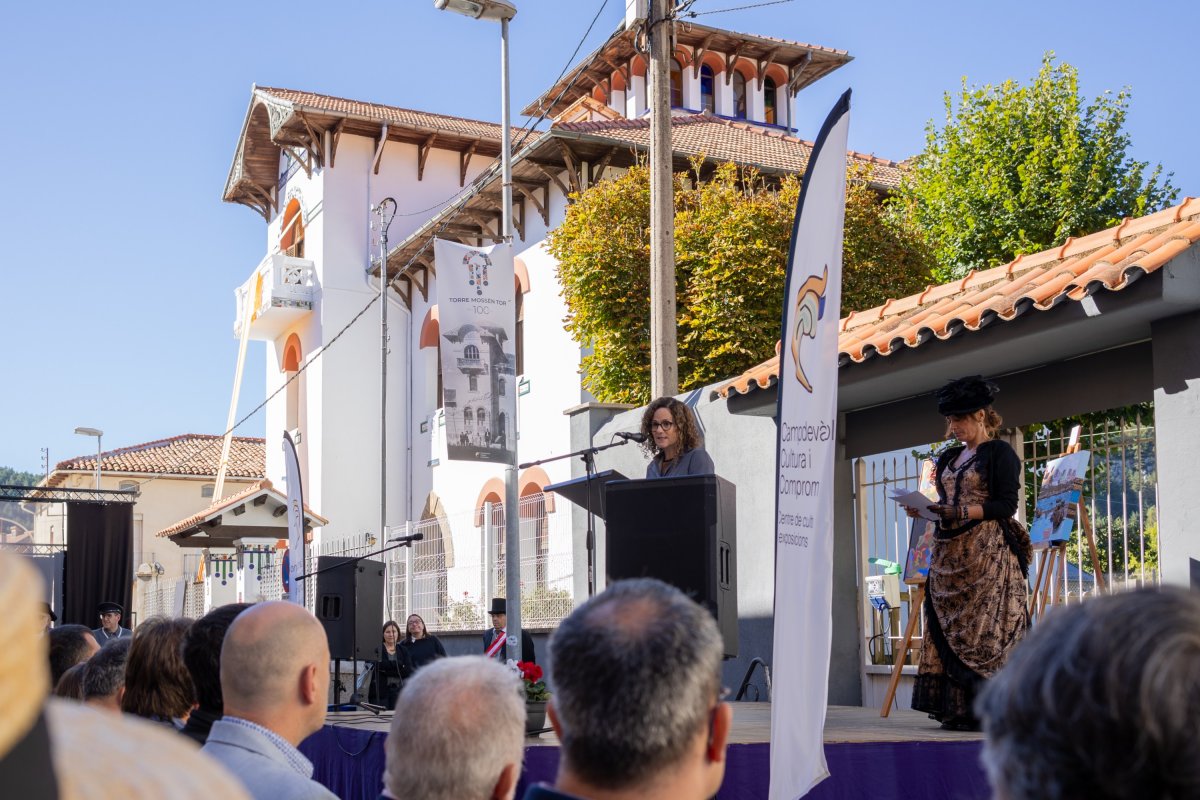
x=260, y=765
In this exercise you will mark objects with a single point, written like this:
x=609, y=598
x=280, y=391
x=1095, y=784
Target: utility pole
x=664, y=350
x=387, y=212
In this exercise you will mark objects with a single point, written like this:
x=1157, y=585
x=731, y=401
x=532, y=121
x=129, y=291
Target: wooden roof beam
x=552, y=175
x=764, y=64
x=314, y=139
x=337, y=137
x=573, y=165
x=698, y=55
x=519, y=216
x=596, y=172
x=304, y=162
x=543, y=207
x=730, y=60
x=795, y=72
x=423, y=154
x=464, y=161
x=379, y=144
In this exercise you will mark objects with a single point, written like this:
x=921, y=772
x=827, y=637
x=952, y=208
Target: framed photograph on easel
x=1057, y=507
x=920, y=537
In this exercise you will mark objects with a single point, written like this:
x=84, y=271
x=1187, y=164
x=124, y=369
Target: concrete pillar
x=845, y=657
x=220, y=578
x=1176, y=347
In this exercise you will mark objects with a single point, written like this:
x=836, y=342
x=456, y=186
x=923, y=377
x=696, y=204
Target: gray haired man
x=458, y=733
x=104, y=678
x=637, y=697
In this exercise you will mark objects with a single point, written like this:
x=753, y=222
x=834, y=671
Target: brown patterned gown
x=975, y=607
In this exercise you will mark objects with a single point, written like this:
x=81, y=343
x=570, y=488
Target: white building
x=313, y=166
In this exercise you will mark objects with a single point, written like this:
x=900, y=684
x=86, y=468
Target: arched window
x=471, y=352
x=739, y=95
x=481, y=415
x=769, y=99
x=468, y=416
x=520, y=332
x=501, y=385
x=291, y=237
x=676, y=84
x=473, y=382
x=708, y=97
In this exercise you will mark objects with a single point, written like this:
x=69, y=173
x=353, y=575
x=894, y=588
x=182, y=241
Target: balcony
x=280, y=291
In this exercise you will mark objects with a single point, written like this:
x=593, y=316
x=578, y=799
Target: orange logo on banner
x=810, y=307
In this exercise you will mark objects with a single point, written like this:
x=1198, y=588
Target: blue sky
x=119, y=123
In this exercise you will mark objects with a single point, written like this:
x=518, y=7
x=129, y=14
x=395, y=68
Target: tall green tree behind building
x=1018, y=169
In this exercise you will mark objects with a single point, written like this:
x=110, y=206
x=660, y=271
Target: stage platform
x=905, y=756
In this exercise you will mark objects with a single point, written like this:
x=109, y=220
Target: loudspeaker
x=682, y=531
x=350, y=606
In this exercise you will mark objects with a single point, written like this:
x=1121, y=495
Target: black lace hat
x=964, y=395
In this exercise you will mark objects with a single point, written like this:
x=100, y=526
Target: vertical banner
x=294, y=561
x=807, y=414
x=477, y=322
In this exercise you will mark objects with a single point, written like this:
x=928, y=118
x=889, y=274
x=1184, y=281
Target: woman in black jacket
x=976, y=594
x=392, y=668
x=421, y=645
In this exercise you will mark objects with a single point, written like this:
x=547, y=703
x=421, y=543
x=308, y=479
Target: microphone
x=630, y=436
x=416, y=537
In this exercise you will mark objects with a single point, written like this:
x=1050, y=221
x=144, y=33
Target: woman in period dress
x=976, y=592
x=421, y=645
x=392, y=668
x=674, y=441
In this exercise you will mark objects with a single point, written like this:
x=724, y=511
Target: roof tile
x=1066, y=273
x=188, y=454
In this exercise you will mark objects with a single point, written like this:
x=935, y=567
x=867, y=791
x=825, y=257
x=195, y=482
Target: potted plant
x=536, y=695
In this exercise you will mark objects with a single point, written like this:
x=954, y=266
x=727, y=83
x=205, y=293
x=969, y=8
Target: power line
x=685, y=13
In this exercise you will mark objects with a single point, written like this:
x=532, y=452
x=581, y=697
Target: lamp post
x=98, y=434
x=502, y=11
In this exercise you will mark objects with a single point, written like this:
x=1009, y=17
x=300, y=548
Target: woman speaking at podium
x=673, y=440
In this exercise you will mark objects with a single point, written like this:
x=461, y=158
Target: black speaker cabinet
x=350, y=606
x=682, y=531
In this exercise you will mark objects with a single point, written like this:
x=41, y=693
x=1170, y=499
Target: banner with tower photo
x=477, y=323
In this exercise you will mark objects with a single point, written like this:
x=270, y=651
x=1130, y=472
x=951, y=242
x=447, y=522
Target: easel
x=916, y=600
x=1055, y=556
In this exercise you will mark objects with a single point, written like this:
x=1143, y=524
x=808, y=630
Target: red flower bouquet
x=531, y=676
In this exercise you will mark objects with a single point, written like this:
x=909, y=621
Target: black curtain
x=98, y=566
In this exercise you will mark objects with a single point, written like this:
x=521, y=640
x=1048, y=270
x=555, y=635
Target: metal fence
x=1120, y=496
x=451, y=574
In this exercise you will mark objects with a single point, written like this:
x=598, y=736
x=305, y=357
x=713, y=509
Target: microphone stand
x=588, y=456
x=355, y=698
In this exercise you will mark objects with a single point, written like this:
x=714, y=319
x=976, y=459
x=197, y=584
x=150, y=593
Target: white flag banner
x=477, y=320
x=807, y=415
x=295, y=519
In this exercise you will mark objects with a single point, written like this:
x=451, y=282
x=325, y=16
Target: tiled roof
x=257, y=488
x=189, y=454
x=1109, y=260
x=726, y=140
x=392, y=115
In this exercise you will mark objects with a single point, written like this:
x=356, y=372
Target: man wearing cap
x=495, y=643
x=110, y=624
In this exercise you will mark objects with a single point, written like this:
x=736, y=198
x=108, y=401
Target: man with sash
x=495, y=638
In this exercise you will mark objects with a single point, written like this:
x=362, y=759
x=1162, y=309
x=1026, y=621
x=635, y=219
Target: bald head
x=266, y=651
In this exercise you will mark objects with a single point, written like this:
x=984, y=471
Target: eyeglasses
x=664, y=425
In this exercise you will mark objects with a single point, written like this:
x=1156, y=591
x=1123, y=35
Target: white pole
x=99, y=453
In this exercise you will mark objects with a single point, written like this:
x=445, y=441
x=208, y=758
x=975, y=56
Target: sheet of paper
x=915, y=501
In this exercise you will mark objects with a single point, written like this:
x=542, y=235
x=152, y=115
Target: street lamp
x=99, y=451
x=503, y=11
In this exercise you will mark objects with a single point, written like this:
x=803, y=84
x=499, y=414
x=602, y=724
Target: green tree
x=732, y=233
x=1018, y=169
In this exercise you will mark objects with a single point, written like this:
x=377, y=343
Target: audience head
x=466, y=713
x=415, y=628
x=614, y=660
x=275, y=669
x=157, y=683
x=1100, y=701
x=69, y=645
x=202, y=654
x=70, y=685
x=104, y=680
